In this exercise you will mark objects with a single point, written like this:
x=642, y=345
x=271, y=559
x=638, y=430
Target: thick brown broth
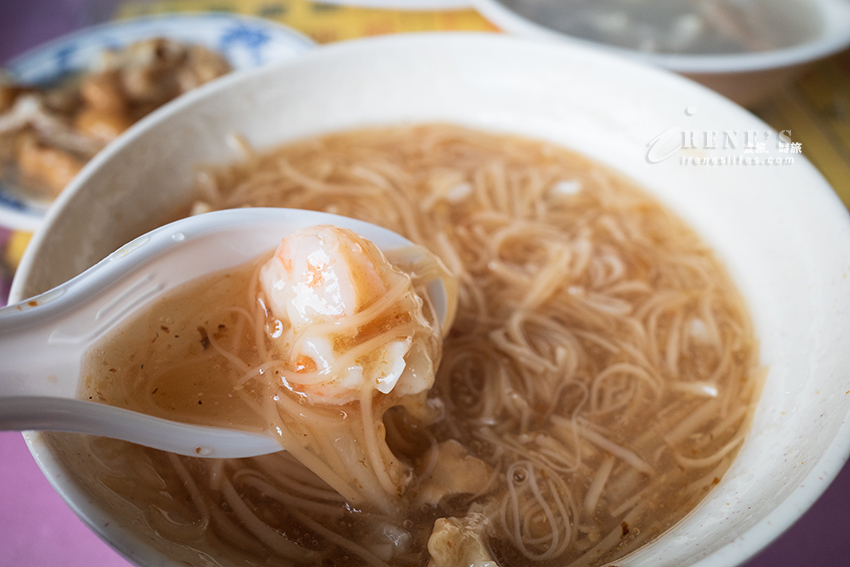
x=599, y=377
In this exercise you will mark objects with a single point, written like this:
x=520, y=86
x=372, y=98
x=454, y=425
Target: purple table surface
x=37, y=529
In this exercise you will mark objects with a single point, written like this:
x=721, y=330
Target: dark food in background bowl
x=47, y=133
x=702, y=27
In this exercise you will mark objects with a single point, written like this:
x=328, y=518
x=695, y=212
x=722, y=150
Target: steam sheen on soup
x=595, y=385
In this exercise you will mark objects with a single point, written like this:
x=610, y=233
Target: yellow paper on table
x=325, y=23
x=15, y=247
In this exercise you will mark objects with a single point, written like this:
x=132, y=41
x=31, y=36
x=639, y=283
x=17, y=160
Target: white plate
x=246, y=42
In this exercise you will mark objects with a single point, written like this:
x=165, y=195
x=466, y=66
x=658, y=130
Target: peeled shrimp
x=354, y=324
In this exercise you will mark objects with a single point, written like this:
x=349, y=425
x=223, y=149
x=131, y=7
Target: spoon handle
x=43, y=339
x=40, y=356
x=77, y=416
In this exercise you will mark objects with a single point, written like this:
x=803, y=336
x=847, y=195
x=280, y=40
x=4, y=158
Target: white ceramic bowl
x=779, y=228
x=745, y=78
x=244, y=41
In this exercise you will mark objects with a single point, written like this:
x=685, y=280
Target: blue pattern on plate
x=251, y=38
x=7, y=200
x=63, y=58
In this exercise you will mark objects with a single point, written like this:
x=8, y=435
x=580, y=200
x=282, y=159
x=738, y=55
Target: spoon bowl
x=44, y=340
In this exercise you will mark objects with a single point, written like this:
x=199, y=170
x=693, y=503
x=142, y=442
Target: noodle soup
x=597, y=382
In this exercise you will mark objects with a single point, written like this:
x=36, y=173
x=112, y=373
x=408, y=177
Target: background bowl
x=746, y=78
x=779, y=228
x=244, y=41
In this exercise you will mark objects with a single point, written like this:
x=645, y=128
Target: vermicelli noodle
x=597, y=382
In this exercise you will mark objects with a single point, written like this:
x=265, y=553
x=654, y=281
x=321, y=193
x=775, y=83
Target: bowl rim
x=735, y=552
x=834, y=36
